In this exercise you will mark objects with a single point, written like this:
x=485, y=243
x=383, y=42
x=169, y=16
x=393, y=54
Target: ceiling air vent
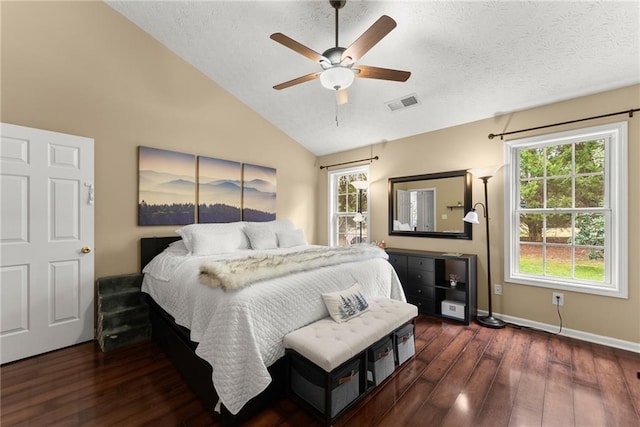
x=404, y=102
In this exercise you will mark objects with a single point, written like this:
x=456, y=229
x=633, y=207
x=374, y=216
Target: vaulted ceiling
x=468, y=60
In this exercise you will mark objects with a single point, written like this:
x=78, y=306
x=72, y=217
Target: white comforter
x=240, y=332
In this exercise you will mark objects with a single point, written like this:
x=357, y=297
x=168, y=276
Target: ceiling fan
x=338, y=63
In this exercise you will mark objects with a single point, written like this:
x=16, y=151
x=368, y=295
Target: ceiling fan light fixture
x=337, y=62
x=337, y=78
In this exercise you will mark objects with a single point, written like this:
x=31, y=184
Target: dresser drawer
x=424, y=305
x=399, y=262
x=422, y=278
x=421, y=291
x=420, y=263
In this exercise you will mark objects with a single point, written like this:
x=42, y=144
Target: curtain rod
x=501, y=135
x=368, y=159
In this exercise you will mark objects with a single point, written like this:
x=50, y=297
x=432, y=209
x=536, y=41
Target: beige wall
x=83, y=69
x=467, y=146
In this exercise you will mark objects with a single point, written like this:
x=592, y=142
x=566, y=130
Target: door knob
x=85, y=249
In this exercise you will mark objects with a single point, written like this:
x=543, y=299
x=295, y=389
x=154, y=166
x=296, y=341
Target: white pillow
x=215, y=243
x=291, y=238
x=188, y=231
x=346, y=304
x=177, y=247
x=261, y=237
x=400, y=226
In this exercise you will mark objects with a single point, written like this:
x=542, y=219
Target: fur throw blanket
x=238, y=273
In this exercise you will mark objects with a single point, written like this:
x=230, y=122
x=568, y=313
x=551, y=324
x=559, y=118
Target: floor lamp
x=358, y=217
x=472, y=217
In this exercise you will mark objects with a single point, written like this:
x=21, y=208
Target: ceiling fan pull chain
x=337, y=9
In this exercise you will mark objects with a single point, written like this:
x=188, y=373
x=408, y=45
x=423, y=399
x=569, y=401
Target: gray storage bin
x=309, y=382
x=381, y=361
x=405, y=345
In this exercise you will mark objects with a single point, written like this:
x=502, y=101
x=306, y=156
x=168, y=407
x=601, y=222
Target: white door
x=403, y=205
x=46, y=241
x=426, y=210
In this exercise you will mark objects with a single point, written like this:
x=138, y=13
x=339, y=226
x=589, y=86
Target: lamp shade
x=337, y=77
x=360, y=185
x=486, y=172
x=472, y=217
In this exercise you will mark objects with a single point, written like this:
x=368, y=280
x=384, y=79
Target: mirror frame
x=468, y=228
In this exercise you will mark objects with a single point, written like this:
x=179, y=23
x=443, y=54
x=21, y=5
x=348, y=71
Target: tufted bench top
x=328, y=344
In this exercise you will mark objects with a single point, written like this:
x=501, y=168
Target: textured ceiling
x=469, y=60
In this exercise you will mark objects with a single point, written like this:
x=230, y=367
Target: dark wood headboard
x=152, y=246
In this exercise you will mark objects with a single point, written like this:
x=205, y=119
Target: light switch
x=444, y=216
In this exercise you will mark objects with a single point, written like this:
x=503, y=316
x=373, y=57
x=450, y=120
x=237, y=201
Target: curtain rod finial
x=491, y=136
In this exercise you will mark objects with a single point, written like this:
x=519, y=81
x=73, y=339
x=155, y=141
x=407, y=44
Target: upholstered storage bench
x=328, y=361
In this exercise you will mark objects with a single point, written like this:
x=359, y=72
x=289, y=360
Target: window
x=567, y=210
x=344, y=204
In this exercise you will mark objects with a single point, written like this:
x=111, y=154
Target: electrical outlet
x=497, y=288
x=557, y=298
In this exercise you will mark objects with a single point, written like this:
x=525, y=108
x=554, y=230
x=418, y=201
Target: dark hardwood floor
x=460, y=376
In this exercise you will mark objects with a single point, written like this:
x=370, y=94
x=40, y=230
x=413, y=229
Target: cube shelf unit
x=425, y=280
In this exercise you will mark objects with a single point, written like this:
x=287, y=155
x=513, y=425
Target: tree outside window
x=567, y=196
x=562, y=198
x=346, y=231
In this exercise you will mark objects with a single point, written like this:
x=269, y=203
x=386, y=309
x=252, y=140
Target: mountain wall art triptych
x=172, y=184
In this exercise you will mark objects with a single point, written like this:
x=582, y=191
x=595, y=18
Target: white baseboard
x=571, y=333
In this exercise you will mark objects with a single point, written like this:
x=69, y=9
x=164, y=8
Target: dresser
x=425, y=277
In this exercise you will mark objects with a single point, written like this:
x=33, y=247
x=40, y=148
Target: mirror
x=430, y=205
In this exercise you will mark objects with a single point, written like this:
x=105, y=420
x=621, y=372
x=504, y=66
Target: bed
x=222, y=297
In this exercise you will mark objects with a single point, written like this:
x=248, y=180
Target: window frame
x=332, y=178
x=615, y=208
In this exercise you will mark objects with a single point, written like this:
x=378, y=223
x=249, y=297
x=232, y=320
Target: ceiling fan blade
x=342, y=97
x=367, y=72
x=299, y=80
x=369, y=38
x=298, y=47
